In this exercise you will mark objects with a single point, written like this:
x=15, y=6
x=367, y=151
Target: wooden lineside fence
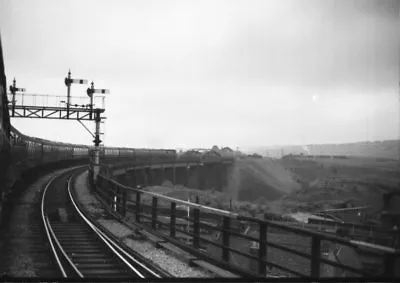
x=124, y=200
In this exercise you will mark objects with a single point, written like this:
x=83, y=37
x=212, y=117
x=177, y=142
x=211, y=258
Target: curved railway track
x=80, y=249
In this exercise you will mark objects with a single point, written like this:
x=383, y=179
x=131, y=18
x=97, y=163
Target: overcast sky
x=199, y=73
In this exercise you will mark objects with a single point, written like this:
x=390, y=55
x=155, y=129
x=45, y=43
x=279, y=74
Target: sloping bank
x=259, y=179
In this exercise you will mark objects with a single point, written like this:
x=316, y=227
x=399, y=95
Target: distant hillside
x=382, y=149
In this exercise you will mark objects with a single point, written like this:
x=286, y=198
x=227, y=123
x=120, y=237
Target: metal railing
x=374, y=234
x=371, y=233
x=130, y=165
x=150, y=209
x=47, y=100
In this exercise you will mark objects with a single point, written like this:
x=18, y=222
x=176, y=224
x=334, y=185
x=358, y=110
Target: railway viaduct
x=209, y=175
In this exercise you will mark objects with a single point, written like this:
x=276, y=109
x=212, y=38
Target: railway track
x=22, y=241
x=79, y=248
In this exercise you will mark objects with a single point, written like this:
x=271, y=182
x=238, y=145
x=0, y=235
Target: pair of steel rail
x=101, y=252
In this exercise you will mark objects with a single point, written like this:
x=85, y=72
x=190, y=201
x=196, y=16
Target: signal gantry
x=36, y=106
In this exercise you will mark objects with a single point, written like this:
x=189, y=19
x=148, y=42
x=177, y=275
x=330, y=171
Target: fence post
x=172, y=219
x=225, y=238
x=154, y=213
x=116, y=199
x=92, y=183
x=196, y=227
x=138, y=207
x=111, y=196
x=124, y=197
x=107, y=193
x=315, y=256
x=119, y=200
x=262, y=249
x=102, y=188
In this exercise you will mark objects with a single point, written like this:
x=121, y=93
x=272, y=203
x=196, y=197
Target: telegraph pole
x=14, y=89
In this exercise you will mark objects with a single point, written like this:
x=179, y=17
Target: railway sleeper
x=93, y=260
x=103, y=266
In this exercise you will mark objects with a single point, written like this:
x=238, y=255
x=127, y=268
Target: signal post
x=68, y=81
x=13, y=90
x=97, y=119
